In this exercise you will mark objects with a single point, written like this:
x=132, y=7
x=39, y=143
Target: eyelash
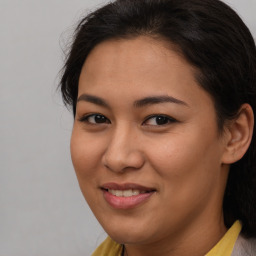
x=161, y=118
x=85, y=119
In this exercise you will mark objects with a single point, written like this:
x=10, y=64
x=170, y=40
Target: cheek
x=189, y=174
x=85, y=154
x=86, y=158
x=187, y=160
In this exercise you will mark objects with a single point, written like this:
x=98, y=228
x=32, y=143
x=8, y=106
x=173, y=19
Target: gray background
x=42, y=212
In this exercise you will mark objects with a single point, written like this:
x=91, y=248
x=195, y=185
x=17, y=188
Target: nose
x=123, y=152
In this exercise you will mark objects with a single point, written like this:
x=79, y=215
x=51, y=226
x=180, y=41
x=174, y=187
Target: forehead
x=136, y=61
x=137, y=68
x=134, y=52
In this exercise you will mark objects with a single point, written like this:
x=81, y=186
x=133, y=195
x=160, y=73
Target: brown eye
x=95, y=119
x=159, y=120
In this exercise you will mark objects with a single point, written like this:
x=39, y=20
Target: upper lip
x=126, y=186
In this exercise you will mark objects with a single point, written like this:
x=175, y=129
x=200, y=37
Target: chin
x=128, y=237
x=127, y=232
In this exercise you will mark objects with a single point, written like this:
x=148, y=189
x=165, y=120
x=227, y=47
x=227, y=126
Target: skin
x=183, y=160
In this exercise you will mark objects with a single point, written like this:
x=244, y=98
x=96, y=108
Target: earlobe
x=239, y=134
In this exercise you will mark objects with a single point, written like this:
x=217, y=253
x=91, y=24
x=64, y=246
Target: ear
x=238, y=135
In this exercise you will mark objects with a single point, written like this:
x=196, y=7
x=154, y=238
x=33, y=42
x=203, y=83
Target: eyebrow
x=151, y=100
x=93, y=99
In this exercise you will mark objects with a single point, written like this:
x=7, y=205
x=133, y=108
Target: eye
x=159, y=120
x=94, y=119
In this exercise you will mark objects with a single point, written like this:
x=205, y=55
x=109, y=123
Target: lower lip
x=119, y=202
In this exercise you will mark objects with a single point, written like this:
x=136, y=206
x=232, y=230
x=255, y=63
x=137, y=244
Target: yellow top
x=108, y=248
x=223, y=248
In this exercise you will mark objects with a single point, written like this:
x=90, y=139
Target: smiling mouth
x=126, y=190
x=126, y=193
x=126, y=196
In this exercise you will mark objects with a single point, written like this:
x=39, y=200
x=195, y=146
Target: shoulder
x=244, y=247
x=108, y=247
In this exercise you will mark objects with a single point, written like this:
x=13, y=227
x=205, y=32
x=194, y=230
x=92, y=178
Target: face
x=145, y=144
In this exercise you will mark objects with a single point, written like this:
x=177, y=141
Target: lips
x=126, y=196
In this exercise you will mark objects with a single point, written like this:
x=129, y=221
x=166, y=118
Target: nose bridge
x=123, y=151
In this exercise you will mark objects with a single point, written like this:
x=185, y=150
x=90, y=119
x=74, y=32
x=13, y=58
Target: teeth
x=118, y=193
x=125, y=193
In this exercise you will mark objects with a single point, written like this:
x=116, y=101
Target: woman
x=163, y=144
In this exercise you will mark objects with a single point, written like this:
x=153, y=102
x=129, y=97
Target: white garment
x=244, y=247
